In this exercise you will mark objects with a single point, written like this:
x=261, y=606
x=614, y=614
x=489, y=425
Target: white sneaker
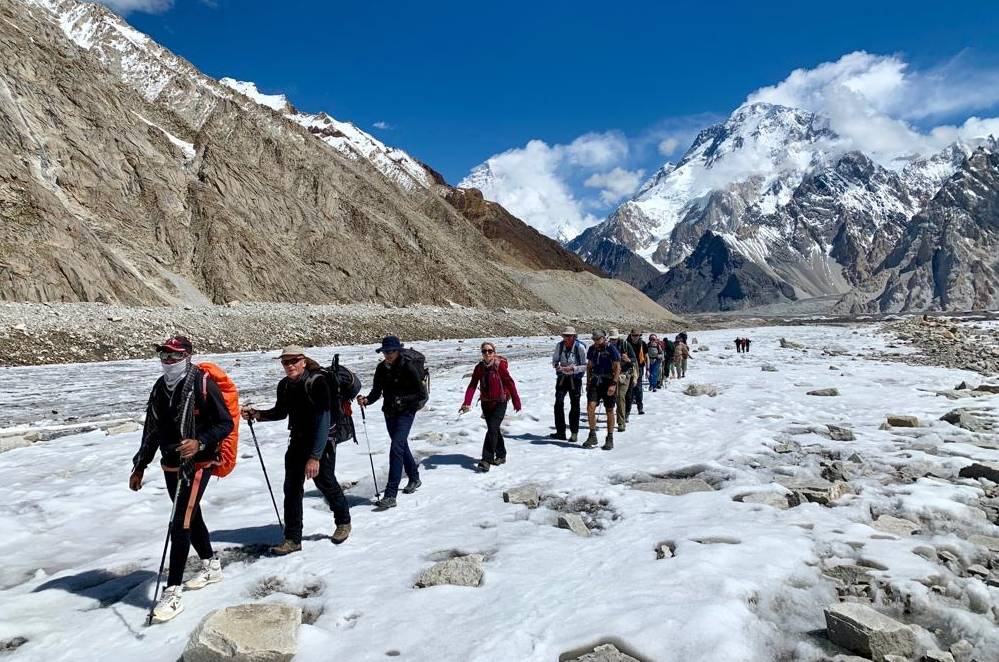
x=169, y=605
x=211, y=572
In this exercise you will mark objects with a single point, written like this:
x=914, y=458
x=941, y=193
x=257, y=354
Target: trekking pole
x=268, y=480
x=166, y=543
x=367, y=439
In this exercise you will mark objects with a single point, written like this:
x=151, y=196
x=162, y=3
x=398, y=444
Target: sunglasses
x=489, y=351
x=289, y=362
x=171, y=356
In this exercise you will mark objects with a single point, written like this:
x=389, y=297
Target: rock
x=604, y=653
x=790, y=344
x=961, y=650
x=665, y=550
x=123, y=428
x=768, y=368
x=899, y=421
x=826, y=392
x=962, y=386
x=987, y=470
x=774, y=499
x=978, y=570
x=12, y=442
x=863, y=630
x=700, y=389
x=574, y=523
x=849, y=574
x=963, y=418
x=673, y=486
x=832, y=367
x=896, y=526
x=987, y=388
x=815, y=490
x=257, y=632
x=458, y=571
x=526, y=494
x=988, y=542
x=837, y=433
x=934, y=655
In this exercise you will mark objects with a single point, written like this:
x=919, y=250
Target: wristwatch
x=201, y=446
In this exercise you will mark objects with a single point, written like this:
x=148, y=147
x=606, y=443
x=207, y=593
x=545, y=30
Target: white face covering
x=173, y=373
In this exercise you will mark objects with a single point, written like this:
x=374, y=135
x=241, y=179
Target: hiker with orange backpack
x=303, y=397
x=496, y=387
x=187, y=420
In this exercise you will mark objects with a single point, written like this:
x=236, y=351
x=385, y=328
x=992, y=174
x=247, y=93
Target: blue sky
x=459, y=82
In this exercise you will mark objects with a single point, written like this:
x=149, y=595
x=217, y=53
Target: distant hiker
x=641, y=351
x=603, y=366
x=186, y=419
x=496, y=388
x=738, y=345
x=400, y=379
x=745, y=344
x=656, y=352
x=669, y=348
x=681, y=352
x=569, y=362
x=303, y=397
x=626, y=377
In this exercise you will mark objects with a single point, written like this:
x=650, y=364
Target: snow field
x=745, y=583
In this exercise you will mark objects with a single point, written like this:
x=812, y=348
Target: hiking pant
x=400, y=457
x=573, y=387
x=294, y=487
x=493, y=447
x=188, y=527
x=654, y=367
x=683, y=368
x=636, y=391
x=623, y=398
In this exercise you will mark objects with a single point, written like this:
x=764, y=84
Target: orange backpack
x=227, y=447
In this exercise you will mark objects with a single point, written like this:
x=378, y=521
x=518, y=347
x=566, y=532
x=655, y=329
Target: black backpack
x=343, y=386
x=419, y=362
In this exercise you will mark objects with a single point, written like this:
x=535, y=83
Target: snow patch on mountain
x=278, y=102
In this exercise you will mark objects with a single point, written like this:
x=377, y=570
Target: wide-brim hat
x=569, y=331
x=176, y=344
x=390, y=344
x=290, y=351
x=613, y=335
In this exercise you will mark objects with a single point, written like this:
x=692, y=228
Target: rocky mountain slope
x=795, y=207
x=128, y=176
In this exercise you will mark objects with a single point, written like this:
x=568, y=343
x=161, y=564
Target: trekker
x=668, y=349
x=641, y=350
x=399, y=380
x=497, y=388
x=186, y=419
x=625, y=378
x=681, y=352
x=303, y=397
x=738, y=345
x=569, y=361
x=745, y=344
x=603, y=367
x=656, y=352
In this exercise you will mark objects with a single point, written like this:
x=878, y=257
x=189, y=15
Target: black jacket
x=308, y=413
x=401, y=384
x=207, y=419
x=643, y=355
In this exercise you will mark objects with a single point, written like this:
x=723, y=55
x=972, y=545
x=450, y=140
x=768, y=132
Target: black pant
x=635, y=393
x=493, y=447
x=294, y=488
x=573, y=387
x=188, y=527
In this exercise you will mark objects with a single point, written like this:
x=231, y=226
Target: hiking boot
x=620, y=428
x=591, y=440
x=641, y=412
x=498, y=461
x=385, y=503
x=482, y=467
x=574, y=437
x=557, y=435
x=169, y=605
x=340, y=533
x=412, y=486
x=609, y=442
x=211, y=572
x=287, y=547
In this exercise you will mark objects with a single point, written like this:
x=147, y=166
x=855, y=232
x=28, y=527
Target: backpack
x=491, y=387
x=419, y=361
x=226, y=461
x=654, y=350
x=343, y=386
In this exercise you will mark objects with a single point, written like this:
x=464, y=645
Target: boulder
x=251, y=632
x=123, y=428
x=935, y=655
x=963, y=418
x=774, y=499
x=674, y=486
x=787, y=447
x=900, y=421
x=988, y=542
x=525, y=494
x=861, y=629
x=458, y=571
x=12, y=442
x=987, y=388
x=987, y=470
x=837, y=433
x=768, y=368
x=604, y=653
x=700, y=389
x=574, y=523
x=790, y=344
x=814, y=490
x=896, y=526
x=826, y=392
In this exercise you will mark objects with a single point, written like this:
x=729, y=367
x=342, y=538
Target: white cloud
x=385, y=126
x=873, y=100
x=596, y=150
x=616, y=184
x=668, y=145
x=150, y=6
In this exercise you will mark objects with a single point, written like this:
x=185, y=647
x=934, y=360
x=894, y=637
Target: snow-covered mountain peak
x=278, y=102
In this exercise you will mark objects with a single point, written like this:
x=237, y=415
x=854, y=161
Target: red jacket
x=499, y=388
